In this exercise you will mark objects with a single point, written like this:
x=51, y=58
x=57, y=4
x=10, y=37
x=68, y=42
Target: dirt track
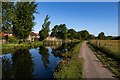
x=93, y=68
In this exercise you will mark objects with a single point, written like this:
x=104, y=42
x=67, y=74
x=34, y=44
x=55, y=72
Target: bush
x=13, y=40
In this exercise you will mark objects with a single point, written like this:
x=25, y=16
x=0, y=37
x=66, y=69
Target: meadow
x=113, y=45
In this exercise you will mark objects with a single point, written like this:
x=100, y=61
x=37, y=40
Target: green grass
x=108, y=58
x=113, y=45
x=70, y=67
x=10, y=47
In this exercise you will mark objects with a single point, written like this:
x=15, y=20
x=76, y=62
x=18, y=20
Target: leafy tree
x=78, y=35
x=84, y=34
x=44, y=32
x=91, y=36
x=54, y=31
x=101, y=36
x=59, y=31
x=7, y=16
x=23, y=21
x=72, y=34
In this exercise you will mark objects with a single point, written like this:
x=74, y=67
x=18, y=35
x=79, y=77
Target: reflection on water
x=44, y=56
x=32, y=63
x=18, y=65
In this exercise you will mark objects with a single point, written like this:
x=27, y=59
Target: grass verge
x=70, y=67
x=108, y=58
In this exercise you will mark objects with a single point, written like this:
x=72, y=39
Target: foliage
x=13, y=40
x=7, y=16
x=59, y=31
x=101, y=36
x=84, y=34
x=23, y=20
x=91, y=36
x=72, y=34
x=9, y=48
x=6, y=37
x=109, y=37
x=70, y=67
x=44, y=33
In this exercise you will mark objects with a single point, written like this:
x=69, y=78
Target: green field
x=113, y=45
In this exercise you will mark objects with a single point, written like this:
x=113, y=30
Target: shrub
x=13, y=40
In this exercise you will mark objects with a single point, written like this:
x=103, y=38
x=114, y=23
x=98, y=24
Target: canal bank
x=71, y=65
x=37, y=62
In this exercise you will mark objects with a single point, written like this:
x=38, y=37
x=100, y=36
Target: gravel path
x=93, y=68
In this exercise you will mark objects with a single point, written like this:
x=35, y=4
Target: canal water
x=31, y=63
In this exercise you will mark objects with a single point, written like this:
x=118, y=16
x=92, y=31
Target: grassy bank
x=109, y=58
x=70, y=67
x=10, y=47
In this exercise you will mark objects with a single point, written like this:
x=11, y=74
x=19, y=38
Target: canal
x=38, y=62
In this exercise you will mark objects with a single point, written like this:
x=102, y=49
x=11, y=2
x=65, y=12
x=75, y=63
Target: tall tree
x=101, y=36
x=24, y=19
x=44, y=32
x=7, y=16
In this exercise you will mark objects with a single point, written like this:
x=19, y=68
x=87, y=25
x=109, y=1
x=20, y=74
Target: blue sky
x=95, y=17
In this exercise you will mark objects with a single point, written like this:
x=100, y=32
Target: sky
x=95, y=17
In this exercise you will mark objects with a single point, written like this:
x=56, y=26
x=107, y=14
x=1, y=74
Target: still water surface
x=32, y=63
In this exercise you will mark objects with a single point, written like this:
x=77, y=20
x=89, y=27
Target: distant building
x=33, y=36
x=52, y=38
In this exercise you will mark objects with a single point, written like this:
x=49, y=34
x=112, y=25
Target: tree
x=62, y=31
x=23, y=20
x=84, y=34
x=72, y=34
x=7, y=16
x=44, y=32
x=54, y=31
x=59, y=31
x=101, y=36
x=91, y=36
x=78, y=35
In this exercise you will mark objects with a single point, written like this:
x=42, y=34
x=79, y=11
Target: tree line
x=19, y=18
x=62, y=32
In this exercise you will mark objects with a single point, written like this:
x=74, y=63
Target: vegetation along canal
x=34, y=63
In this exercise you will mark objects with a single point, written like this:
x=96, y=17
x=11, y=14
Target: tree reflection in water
x=59, y=51
x=19, y=67
x=45, y=56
